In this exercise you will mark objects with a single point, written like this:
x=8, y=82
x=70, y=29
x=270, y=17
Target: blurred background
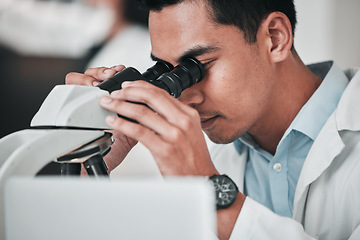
x=328, y=29
x=42, y=40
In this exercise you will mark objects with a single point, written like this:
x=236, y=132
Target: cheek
x=237, y=91
x=227, y=84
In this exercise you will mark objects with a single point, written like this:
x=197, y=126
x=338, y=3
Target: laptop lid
x=54, y=208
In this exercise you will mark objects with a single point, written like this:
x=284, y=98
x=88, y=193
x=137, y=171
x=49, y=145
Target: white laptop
x=134, y=209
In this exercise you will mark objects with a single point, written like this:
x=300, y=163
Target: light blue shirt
x=271, y=180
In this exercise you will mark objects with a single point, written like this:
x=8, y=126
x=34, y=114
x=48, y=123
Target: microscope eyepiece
x=184, y=75
x=131, y=74
x=162, y=74
x=155, y=71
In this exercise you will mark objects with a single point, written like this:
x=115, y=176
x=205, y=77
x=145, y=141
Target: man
x=294, y=127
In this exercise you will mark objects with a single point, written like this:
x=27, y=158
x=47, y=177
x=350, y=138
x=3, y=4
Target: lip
x=207, y=123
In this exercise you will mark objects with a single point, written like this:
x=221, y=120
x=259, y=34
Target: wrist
x=225, y=189
x=226, y=218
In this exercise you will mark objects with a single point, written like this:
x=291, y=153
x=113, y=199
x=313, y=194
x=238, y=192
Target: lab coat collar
x=326, y=147
x=329, y=144
x=348, y=113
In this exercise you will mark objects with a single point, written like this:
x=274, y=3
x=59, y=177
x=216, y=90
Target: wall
x=328, y=29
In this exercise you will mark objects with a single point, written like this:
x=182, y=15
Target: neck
x=295, y=84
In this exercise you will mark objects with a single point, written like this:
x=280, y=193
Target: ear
x=277, y=32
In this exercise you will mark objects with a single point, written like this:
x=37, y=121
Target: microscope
x=70, y=127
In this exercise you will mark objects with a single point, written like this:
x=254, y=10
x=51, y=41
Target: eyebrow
x=192, y=52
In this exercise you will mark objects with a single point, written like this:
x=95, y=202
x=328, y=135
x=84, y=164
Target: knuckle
x=194, y=113
x=141, y=110
x=156, y=92
x=153, y=92
x=138, y=130
x=154, y=96
x=100, y=73
x=117, y=123
x=125, y=92
x=186, y=123
x=162, y=92
x=118, y=106
x=176, y=134
x=115, y=105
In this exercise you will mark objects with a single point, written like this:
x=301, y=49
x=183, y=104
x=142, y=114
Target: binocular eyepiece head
x=157, y=70
x=186, y=74
x=162, y=74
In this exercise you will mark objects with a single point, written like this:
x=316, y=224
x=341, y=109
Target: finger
x=160, y=149
x=137, y=83
x=141, y=113
x=118, y=67
x=101, y=73
x=148, y=85
x=79, y=79
x=133, y=130
x=159, y=100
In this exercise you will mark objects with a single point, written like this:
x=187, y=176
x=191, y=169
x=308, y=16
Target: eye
x=206, y=64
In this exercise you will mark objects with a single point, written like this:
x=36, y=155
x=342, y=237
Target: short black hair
x=247, y=15
x=135, y=13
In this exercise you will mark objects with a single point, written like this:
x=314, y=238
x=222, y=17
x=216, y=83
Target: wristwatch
x=225, y=189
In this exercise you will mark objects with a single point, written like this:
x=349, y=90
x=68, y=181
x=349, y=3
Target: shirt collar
x=313, y=115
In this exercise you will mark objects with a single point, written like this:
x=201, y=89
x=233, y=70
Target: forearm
x=226, y=218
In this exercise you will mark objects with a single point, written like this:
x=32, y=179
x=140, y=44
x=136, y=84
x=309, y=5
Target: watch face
x=226, y=191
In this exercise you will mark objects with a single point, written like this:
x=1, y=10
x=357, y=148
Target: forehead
x=180, y=27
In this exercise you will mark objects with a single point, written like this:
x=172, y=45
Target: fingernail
x=126, y=84
x=118, y=67
x=110, y=119
x=95, y=83
x=106, y=100
x=109, y=71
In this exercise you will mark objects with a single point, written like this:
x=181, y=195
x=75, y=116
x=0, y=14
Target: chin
x=221, y=134
x=219, y=139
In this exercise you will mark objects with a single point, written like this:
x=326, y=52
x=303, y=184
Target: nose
x=192, y=96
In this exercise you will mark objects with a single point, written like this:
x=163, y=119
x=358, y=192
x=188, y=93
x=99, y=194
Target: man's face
x=235, y=94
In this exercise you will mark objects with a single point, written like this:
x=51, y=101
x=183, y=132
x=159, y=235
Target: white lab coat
x=327, y=197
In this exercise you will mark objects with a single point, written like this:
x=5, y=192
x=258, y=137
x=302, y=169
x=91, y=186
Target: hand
x=170, y=129
x=172, y=132
x=92, y=77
